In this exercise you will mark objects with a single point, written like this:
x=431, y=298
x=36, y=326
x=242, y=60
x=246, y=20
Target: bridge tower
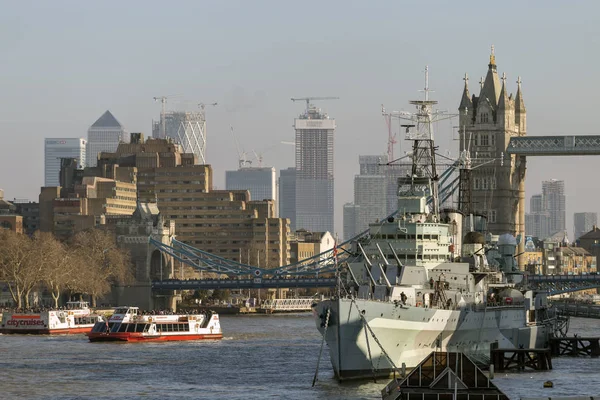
x=150, y=264
x=487, y=123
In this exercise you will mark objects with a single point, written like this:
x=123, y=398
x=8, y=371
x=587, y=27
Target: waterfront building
x=351, y=217
x=57, y=148
x=486, y=123
x=83, y=202
x=554, y=201
x=223, y=222
x=30, y=211
x=9, y=219
x=186, y=128
x=591, y=241
x=287, y=195
x=104, y=135
x=584, y=222
x=261, y=182
x=314, y=170
x=305, y=244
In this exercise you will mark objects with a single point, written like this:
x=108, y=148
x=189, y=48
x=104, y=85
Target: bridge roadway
x=554, y=145
x=254, y=283
x=558, y=284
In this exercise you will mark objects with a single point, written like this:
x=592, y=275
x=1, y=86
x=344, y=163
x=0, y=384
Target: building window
x=476, y=184
x=485, y=141
x=492, y=216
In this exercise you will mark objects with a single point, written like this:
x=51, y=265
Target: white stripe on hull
x=409, y=334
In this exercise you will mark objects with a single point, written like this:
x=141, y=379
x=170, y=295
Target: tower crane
x=242, y=156
x=203, y=106
x=309, y=99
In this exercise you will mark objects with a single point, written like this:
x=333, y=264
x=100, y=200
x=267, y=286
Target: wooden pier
x=520, y=359
x=575, y=346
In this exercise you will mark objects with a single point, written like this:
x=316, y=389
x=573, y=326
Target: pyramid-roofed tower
x=104, y=136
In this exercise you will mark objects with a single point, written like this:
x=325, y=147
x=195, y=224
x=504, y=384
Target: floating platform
x=575, y=346
x=439, y=376
x=511, y=359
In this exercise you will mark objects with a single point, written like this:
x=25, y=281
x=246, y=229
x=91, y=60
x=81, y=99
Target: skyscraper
x=259, y=181
x=104, y=136
x=351, y=215
x=537, y=220
x=370, y=191
x=186, y=128
x=287, y=196
x=314, y=170
x=553, y=198
x=584, y=222
x=57, y=148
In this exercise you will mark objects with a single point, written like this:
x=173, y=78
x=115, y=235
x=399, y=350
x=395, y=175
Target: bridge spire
x=519, y=104
x=465, y=101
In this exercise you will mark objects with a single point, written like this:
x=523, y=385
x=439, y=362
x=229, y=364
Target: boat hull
x=133, y=337
x=408, y=334
x=44, y=331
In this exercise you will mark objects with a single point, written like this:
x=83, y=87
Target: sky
x=63, y=63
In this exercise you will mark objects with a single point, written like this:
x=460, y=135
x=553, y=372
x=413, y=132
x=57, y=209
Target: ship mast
x=423, y=154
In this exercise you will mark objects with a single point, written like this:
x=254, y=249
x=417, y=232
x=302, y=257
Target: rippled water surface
x=267, y=357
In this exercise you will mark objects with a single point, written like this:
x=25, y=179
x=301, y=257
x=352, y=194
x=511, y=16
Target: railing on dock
x=575, y=346
x=520, y=359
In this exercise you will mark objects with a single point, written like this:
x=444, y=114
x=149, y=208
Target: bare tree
x=58, y=263
x=102, y=263
x=17, y=267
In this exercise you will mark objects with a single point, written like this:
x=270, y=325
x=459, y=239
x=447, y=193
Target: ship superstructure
x=415, y=286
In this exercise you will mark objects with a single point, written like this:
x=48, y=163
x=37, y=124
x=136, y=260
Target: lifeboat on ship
x=128, y=325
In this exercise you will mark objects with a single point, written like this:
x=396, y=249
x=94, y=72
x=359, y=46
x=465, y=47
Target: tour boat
x=128, y=325
x=76, y=317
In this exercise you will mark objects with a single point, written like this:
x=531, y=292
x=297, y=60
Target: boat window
x=123, y=328
x=115, y=327
x=427, y=237
x=140, y=327
x=130, y=328
x=146, y=327
x=169, y=327
x=410, y=256
x=186, y=327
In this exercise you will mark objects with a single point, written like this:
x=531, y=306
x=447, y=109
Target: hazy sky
x=63, y=63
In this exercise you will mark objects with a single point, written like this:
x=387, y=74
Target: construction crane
x=242, y=156
x=203, y=106
x=309, y=99
x=391, y=136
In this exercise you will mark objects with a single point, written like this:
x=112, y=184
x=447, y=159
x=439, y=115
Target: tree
x=102, y=263
x=58, y=263
x=18, y=266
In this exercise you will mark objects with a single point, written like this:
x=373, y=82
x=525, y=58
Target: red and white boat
x=127, y=325
x=75, y=318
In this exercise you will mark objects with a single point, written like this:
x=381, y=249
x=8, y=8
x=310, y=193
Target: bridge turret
x=506, y=111
x=520, y=112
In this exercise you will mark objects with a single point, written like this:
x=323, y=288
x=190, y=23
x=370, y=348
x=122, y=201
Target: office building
x=584, y=222
x=261, y=182
x=287, y=196
x=554, y=201
x=351, y=217
x=314, y=171
x=224, y=222
x=57, y=148
x=186, y=128
x=104, y=136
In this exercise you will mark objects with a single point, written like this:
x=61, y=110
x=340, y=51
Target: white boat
x=407, y=292
x=76, y=317
x=128, y=325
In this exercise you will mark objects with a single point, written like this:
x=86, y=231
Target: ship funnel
x=454, y=218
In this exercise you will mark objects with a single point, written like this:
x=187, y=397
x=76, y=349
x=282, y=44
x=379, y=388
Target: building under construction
x=185, y=128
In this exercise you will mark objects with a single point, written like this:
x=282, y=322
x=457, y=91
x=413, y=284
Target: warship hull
x=408, y=334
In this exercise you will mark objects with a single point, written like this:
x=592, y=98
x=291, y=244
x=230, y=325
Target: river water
x=266, y=357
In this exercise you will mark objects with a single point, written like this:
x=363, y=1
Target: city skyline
x=252, y=73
